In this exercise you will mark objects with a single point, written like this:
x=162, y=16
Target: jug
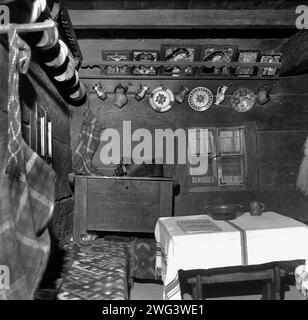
x=100, y=91
x=263, y=95
x=141, y=92
x=180, y=96
x=120, y=97
x=220, y=95
x=256, y=208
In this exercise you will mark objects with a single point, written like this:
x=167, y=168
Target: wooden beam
x=182, y=19
x=295, y=54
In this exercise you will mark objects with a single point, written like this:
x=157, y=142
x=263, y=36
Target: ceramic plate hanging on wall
x=243, y=100
x=161, y=99
x=200, y=99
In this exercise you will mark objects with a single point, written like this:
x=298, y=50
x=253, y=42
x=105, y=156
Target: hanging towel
x=27, y=194
x=88, y=142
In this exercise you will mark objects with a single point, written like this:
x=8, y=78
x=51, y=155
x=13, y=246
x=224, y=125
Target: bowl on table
x=224, y=211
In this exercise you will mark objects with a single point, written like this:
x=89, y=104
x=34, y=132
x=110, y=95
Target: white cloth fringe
x=301, y=278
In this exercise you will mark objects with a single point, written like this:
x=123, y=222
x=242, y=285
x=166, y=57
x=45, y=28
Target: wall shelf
x=84, y=75
x=166, y=64
x=96, y=70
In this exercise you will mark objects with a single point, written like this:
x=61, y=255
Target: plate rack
x=96, y=69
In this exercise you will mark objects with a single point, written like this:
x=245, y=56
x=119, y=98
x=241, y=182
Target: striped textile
x=172, y=288
x=161, y=268
x=27, y=194
x=55, y=56
x=88, y=142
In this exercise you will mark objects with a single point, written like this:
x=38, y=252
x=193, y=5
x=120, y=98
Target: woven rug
x=142, y=256
x=98, y=271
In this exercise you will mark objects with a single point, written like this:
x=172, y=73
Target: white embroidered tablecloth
x=245, y=240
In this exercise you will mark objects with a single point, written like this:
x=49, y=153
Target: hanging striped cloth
x=58, y=61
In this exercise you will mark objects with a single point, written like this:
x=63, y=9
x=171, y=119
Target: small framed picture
x=116, y=56
x=214, y=53
x=181, y=53
x=145, y=56
x=270, y=58
x=247, y=56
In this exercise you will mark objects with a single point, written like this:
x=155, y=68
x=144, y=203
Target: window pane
x=211, y=144
x=230, y=141
x=231, y=170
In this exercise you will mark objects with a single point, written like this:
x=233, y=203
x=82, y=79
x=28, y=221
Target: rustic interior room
x=153, y=150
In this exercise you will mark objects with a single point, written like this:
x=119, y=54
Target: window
x=231, y=156
x=218, y=158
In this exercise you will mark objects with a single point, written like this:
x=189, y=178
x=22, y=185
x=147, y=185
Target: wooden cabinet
x=120, y=204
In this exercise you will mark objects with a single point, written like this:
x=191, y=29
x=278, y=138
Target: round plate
x=243, y=100
x=161, y=99
x=200, y=99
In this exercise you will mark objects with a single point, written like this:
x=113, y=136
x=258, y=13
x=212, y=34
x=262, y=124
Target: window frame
x=250, y=160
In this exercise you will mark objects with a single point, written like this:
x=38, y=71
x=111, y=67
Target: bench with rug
x=96, y=271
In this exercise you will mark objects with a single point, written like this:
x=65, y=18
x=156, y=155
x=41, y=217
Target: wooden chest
x=121, y=204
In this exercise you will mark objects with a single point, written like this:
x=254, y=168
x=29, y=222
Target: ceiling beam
x=182, y=19
x=295, y=55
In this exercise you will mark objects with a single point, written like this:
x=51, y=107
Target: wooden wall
x=36, y=89
x=181, y=4
x=46, y=96
x=281, y=128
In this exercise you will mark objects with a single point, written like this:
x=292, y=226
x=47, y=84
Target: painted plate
x=161, y=99
x=200, y=99
x=243, y=100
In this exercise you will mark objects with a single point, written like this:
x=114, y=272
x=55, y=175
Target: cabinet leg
x=80, y=208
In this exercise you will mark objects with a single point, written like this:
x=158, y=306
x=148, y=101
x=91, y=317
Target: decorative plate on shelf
x=217, y=53
x=270, y=58
x=243, y=100
x=247, y=56
x=161, y=99
x=200, y=99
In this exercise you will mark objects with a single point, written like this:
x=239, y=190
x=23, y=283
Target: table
x=246, y=240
